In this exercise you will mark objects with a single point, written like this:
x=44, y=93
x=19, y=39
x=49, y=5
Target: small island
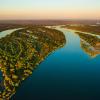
x=22, y=51
x=90, y=44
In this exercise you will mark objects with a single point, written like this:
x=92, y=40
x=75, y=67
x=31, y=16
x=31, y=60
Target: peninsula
x=22, y=51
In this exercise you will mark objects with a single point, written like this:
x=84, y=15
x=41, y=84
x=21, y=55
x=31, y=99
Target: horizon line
x=47, y=19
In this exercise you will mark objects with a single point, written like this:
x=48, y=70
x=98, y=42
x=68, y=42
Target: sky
x=49, y=9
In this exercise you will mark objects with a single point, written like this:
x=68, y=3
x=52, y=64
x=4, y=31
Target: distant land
x=49, y=22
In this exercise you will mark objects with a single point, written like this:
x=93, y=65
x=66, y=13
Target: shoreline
x=83, y=32
x=34, y=57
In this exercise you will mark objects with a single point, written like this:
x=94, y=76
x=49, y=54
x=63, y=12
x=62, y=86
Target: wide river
x=67, y=74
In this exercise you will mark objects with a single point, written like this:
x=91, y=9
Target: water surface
x=7, y=32
x=68, y=73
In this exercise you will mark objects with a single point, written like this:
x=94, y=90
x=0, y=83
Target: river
x=69, y=73
x=7, y=32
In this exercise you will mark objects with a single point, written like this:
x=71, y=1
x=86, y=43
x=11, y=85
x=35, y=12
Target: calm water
x=7, y=32
x=67, y=74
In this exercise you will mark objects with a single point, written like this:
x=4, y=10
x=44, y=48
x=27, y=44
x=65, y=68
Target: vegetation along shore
x=22, y=51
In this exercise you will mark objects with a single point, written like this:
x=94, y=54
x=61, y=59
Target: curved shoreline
x=14, y=81
x=72, y=30
x=7, y=32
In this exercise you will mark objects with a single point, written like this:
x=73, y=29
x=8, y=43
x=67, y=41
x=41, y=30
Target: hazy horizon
x=49, y=9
